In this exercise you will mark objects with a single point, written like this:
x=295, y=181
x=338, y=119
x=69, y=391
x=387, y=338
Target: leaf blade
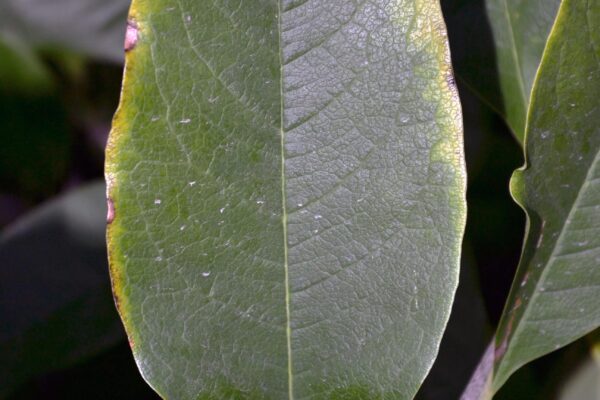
x=267, y=203
x=562, y=139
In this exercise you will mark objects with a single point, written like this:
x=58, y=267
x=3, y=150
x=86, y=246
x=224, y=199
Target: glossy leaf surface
x=555, y=295
x=287, y=187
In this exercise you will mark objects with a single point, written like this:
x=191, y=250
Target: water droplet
x=545, y=134
x=158, y=258
x=222, y=210
x=300, y=204
x=260, y=202
x=157, y=201
x=185, y=121
x=154, y=118
x=188, y=18
x=318, y=216
x=316, y=231
x=206, y=274
x=192, y=183
x=182, y=227
x=404, y=119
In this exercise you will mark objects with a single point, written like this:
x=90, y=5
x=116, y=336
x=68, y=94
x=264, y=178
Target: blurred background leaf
x=91, y=28
x=585, y=382
x=55, y=300
x=60, y=71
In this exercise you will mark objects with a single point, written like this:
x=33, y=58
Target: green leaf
x=288, y=188
x=22, y=70
x=55, y=298
x=554, y=296
x=501, y=65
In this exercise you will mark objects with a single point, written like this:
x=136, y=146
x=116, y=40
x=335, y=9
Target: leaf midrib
x=288, y=328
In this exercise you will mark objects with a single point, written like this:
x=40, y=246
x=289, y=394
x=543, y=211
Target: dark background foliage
x=60, y=336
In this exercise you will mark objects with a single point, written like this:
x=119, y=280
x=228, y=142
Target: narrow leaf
x=287, y=190
x=511, y=38
x=555, y=294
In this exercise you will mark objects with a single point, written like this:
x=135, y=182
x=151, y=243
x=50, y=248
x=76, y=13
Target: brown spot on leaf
x=110, y=214
x=131, y=35
x=500, y=350
x=518, y=303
